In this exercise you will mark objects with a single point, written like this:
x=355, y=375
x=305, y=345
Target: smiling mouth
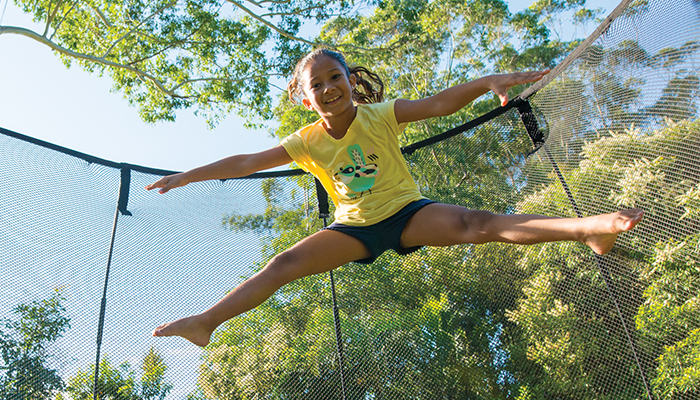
x=332, y=100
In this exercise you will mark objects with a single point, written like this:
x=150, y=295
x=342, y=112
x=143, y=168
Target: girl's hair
x=363, y=93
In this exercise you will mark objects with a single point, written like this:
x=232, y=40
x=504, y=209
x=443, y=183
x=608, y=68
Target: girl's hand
x=168, y=182
x=500, y=84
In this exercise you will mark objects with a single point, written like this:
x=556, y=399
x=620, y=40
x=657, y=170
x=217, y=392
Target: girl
x=354, y=151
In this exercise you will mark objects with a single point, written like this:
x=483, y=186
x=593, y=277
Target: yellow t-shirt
x=363, y=172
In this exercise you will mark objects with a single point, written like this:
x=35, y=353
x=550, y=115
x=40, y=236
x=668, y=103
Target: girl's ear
x=307, y=104
x=353, y=80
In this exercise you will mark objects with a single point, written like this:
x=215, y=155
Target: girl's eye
x=336, y=76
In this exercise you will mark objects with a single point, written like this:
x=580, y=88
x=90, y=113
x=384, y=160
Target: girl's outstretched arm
x=229, y=167
x=453, y=99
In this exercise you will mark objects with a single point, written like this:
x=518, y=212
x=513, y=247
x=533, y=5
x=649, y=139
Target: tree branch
x=189, y=81
x=99, y=60
x=295, y=12
x=167, y=46
x=50, y=18
x=260, y=3
x=270, y=25
x=299, y=39
x=72, y=7
x=101, y=15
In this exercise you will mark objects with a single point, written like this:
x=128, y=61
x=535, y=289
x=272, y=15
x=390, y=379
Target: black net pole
x=122, y=202
x=527, y=116
x=324, y=213
x=103, y=306
x=338, y=335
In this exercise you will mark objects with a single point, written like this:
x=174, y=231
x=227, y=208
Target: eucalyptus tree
x=217, y=56
x=221, y=56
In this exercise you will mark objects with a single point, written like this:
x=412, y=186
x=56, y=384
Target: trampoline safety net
x=90, y=262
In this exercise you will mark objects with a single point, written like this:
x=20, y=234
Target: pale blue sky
x=40, y=97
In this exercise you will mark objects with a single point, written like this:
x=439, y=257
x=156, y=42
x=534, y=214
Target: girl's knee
x=477, y=218
x=284, y=267
x=476, y=225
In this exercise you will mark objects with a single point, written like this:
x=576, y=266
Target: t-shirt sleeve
x=297, y=149
x=388, y=113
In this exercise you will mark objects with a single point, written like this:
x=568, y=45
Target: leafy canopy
x=223, y=56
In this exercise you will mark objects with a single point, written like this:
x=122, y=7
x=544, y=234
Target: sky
x=41, y=98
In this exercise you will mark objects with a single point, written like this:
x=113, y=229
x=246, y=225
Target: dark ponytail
x=365, y=92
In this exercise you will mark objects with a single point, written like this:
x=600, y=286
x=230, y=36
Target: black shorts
x=383, y=235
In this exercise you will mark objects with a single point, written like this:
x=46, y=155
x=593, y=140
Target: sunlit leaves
x=679, y=368
x=690, y=201
x=216, y=57
x=121, y=382
x=25, y=345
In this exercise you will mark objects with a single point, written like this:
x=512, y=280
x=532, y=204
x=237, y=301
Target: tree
x=168, y=55
x=221, y=57
x=120, y=382
x=114, y=383
x=153, y=385
x=26, y=349
x=572, y=329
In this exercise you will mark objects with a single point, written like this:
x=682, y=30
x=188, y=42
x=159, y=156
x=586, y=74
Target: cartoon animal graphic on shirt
x=358, y=176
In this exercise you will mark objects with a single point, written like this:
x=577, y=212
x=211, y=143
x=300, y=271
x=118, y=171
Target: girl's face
x=327, y=88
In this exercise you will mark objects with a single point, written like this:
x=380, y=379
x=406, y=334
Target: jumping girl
x=353, y=150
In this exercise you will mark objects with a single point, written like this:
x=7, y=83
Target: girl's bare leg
x=444, y=225
x=321, y=252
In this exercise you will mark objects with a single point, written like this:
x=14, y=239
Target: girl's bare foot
x=603, y=229
x=191, y=328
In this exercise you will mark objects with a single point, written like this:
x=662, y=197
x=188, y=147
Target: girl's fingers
x=534, y=76
x=162, y=183
x=540, y=74
x=517, y=79
x=154, y=185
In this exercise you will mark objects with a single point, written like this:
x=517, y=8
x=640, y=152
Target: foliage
x=168, y=55
x=114, y=383
x=648, y=164
x=120, y=382
x=153, y=384
x=478, y=322
x=646, y=170
x=679, y=375
x=25, y=343
x=221, y=57
x=639, y=157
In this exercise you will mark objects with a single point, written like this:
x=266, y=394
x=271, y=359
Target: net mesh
x=492, y=321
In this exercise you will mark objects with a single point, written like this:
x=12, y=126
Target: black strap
x=322, y=196
x=531, y=125
x=124, y=190
x=462, y=128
